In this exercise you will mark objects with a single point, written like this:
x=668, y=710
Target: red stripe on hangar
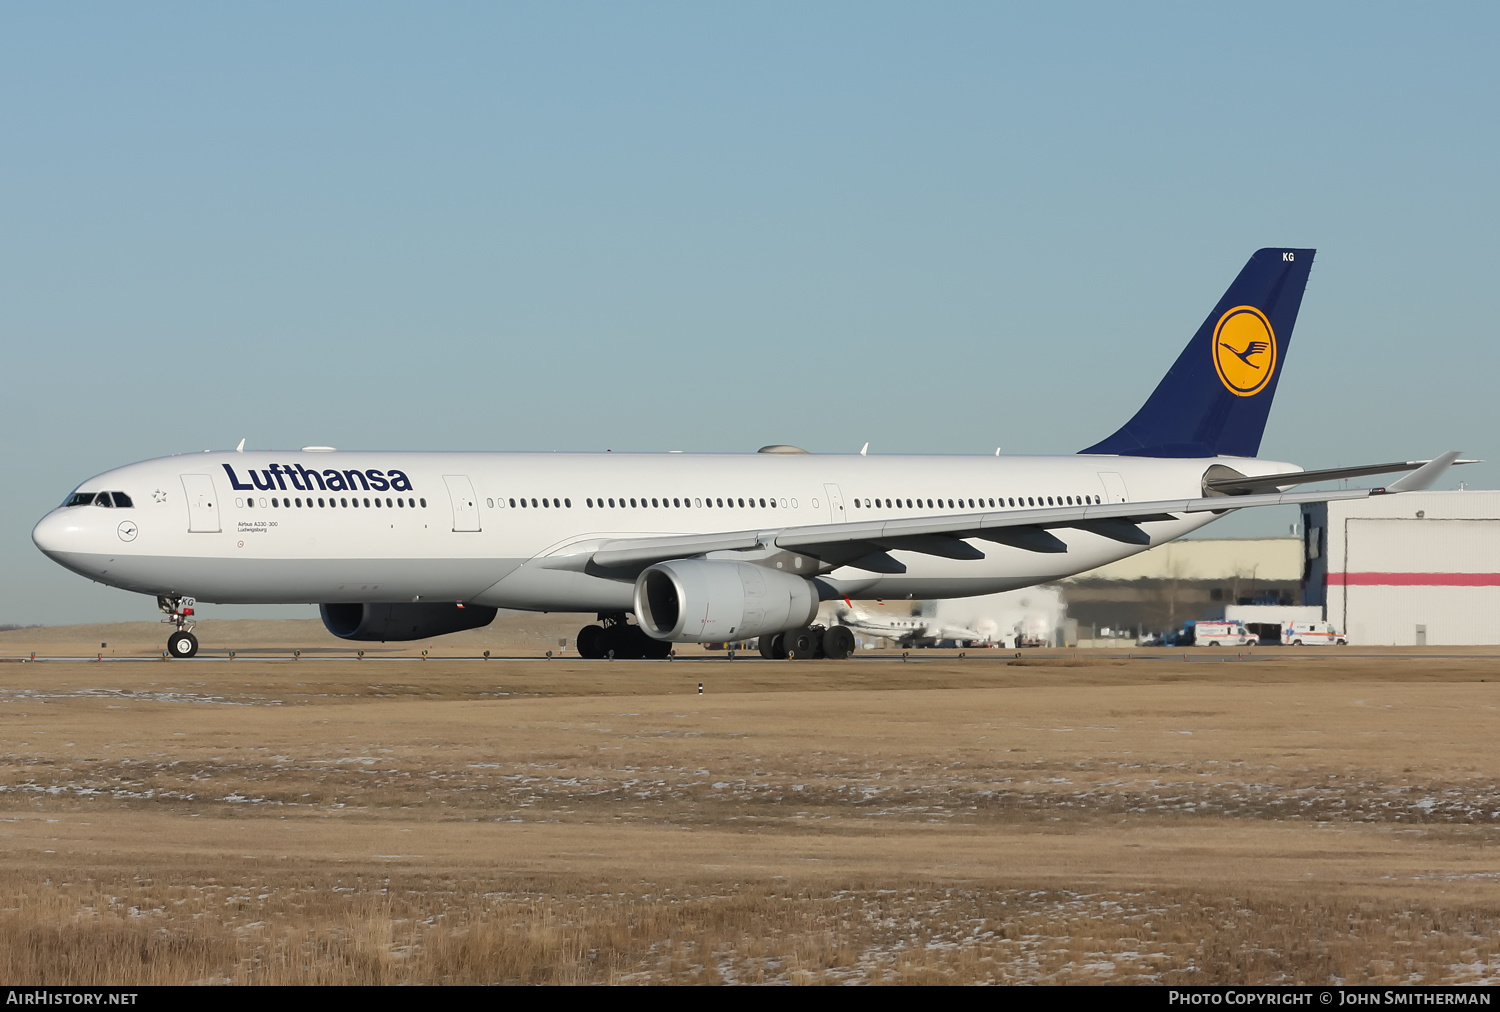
x=1414, y=579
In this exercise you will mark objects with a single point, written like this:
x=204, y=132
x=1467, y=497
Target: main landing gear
x=616, y=638
x=179, y=610
x=809, y=642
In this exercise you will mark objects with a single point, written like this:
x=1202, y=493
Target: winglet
x=1425, y=476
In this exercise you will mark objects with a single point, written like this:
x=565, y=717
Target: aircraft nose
x=56, y=534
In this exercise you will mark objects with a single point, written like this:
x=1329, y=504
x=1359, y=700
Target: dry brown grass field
x=1272, y=817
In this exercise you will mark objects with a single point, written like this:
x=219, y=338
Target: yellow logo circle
x=1244, y=351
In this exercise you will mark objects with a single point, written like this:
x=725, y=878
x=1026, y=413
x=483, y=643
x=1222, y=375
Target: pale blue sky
x=703, y=226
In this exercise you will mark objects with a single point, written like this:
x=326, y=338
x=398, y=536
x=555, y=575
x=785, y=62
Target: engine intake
x=701, y=601
x=388, y=622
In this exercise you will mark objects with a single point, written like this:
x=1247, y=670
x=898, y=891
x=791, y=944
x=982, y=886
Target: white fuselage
x=275, y=527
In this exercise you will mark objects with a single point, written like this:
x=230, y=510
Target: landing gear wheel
x=773, y=648
x=612, y=642
x=590, y=642
x=643, y=647
x=801, y=644
x=182, y=644
x=654, y=650
x=838, y=643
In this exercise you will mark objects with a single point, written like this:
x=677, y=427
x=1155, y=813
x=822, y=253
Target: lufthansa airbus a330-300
x=699, y=547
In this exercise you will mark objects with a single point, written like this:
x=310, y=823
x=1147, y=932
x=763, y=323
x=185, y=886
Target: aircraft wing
x=1245, y=484
x=867, y=544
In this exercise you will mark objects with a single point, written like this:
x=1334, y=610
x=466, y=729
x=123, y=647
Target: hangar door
x=1421, y=581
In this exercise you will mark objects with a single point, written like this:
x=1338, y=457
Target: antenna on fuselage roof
x=241, y=447
x=997, y=451
x=864, y=450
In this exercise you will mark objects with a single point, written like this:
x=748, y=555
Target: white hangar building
x=1421, y=568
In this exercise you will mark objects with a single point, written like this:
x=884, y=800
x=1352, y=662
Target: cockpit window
x=110, y=500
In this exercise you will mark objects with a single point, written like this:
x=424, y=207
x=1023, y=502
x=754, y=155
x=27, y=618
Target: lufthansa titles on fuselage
x=304, y=479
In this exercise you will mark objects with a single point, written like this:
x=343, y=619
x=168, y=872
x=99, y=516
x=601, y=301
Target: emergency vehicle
x=1310, y=634
x=1223, y=634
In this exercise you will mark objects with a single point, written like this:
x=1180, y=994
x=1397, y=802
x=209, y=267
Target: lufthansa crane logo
x=1244, y=351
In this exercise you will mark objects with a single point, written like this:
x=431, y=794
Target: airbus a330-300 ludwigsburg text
x=700, y=547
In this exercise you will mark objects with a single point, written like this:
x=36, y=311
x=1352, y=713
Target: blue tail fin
x=1218, y=393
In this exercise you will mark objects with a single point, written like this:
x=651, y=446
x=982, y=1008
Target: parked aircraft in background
x=699, y=547
x=912, y=631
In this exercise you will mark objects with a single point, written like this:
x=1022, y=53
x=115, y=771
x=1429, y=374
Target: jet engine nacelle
x=402, y=621
x=702, y=601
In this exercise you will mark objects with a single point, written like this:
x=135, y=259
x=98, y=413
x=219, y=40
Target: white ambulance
x=1223, y=634
x=1311, y=634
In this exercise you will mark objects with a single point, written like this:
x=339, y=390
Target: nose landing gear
x=179, y=611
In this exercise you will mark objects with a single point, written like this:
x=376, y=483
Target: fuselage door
x=1114, y=486
x=836, y=513
x=202, y=503
x=465, y=504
